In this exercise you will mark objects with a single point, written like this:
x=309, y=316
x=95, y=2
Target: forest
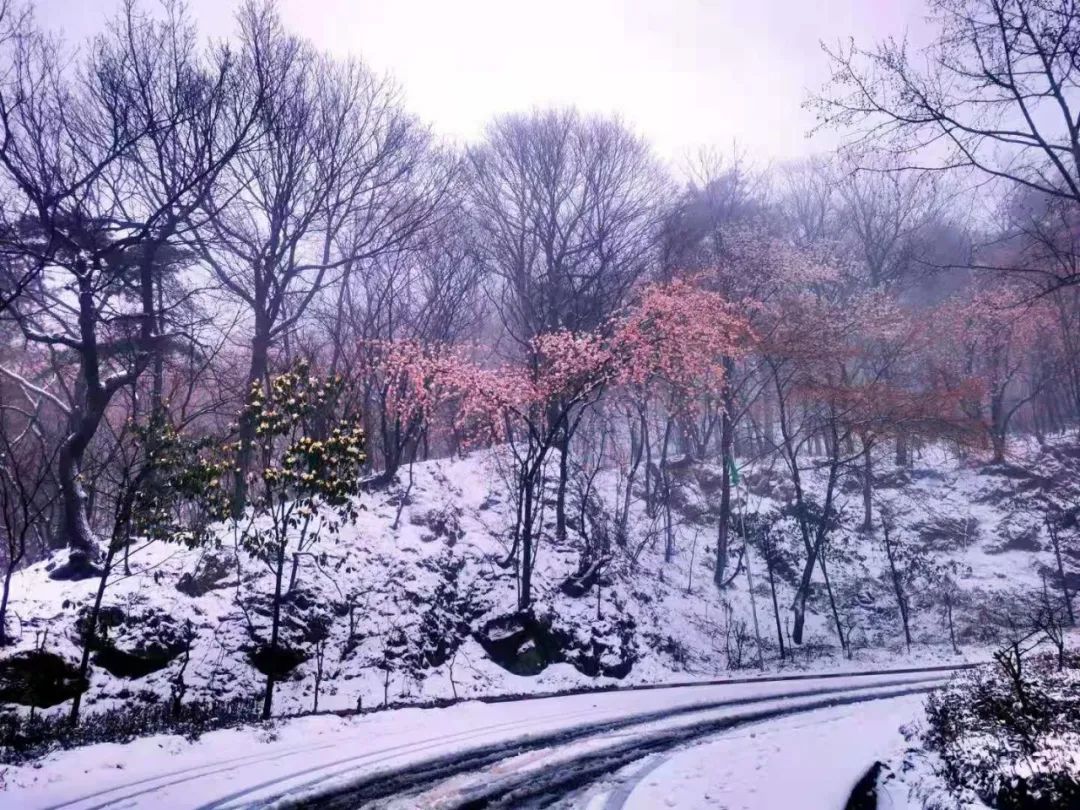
x=257, y=320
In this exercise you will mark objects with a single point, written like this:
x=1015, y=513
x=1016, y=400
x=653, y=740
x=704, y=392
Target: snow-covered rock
x=415, y=602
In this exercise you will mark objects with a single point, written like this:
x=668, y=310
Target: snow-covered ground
x=422, y=563
x=811, y=759
x=433, y=554
x=248, y=767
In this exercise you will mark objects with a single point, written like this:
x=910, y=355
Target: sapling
x=311, y=456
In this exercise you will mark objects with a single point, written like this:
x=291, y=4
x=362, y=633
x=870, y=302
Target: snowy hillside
x=411, y=604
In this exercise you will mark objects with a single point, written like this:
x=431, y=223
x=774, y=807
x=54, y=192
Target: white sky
x=685, y=73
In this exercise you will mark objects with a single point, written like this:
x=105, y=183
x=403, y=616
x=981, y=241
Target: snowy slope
x=377, y=595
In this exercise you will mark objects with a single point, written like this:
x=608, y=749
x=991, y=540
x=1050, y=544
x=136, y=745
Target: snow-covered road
x=510, y=752
x=809, y=759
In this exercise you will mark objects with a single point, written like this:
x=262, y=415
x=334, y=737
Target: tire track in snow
x=126, y=794
x=541, y=787
x=414, y=778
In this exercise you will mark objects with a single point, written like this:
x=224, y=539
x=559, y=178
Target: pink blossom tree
x=992, y=337
x=675, y=336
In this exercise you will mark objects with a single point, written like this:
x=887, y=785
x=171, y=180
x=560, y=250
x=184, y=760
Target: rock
x=443, y=524
x=709, y=480
x=1053, y=579
x=948, y=533
x=898, y=478
x=211, y=573
x=850, y=484
x=305, y=620
x=132, y=645
x=526, y=644
x=38, y=678
x=578, y=584
x=1021, y=539
x=281, y=661
x=864, y=796
x=139, y=662
x=611, y=648
x=520, y=643
x=111, y=616
x=79, y=565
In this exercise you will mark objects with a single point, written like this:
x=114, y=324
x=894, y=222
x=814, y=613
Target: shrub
x=1010, y=733
x=26, y=737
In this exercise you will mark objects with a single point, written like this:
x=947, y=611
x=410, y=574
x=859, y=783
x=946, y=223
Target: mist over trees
x=189, y=227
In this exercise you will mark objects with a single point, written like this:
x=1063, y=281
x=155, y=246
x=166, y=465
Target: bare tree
x=707, y=231
x=809, y=202
x=724, y=196
x=27, y=489
x=885, y=213
x=898, y=575
x=566, y=210
x=69, y=142
x=993, y=94
x=1057, y=521
x=327, y=185
x=429, y=294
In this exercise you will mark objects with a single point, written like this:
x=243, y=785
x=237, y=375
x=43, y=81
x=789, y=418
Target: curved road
x=521, y=753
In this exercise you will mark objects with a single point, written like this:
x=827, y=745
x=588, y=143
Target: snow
x=380, y=576
x=233, y=768
x=812, y=759
x=383, y=576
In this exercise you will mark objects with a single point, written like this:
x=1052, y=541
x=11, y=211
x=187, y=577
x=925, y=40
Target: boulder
x=944, y=533
x=281, y=661
x=211, y=573
x=607, y=648
x=134, y=644
x=139, y=661
x=521, y=643
x=526, y=644
x=582, y=581
x=441, y=524
x=38, y=678
x=78, y=566
x=1022, y=538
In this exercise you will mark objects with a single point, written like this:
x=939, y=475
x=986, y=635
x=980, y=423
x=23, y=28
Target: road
x=807, y=759
x=530, y=752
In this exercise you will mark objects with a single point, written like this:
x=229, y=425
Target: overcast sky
x=684, y=73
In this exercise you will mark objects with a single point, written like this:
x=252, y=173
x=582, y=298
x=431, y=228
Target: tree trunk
x=93, y=398
x=727, y=429
x=665, y=491
x=260, y=365
x=901, y=451
x=1055, y=538
x=636, y=452
x=646, y=443
x=898, y=586
x=753, y=607
x=832, y=603
x=801, y=596
x=997, y=443
x=772, y=588
x=814, y=550
x=4, y=600
x=560, y=494
x=949, y=618
x=998, y=426
x=74, y=502
x=90, y=636
x=275, y=625
x=525, y=595
x=868, y=487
